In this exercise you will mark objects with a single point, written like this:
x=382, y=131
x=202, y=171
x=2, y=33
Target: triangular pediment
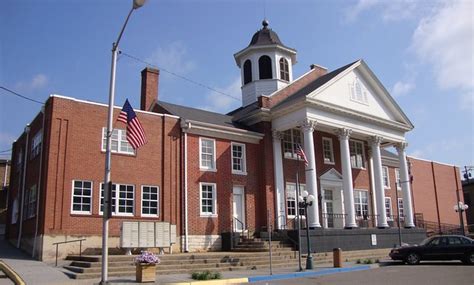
x=331, y=175
x=358, y=89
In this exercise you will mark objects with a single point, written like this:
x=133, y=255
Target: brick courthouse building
x=211, y=173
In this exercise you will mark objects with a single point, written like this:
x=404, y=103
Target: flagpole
x=298, y=212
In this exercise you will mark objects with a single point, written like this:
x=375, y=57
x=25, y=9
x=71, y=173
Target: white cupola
x=266, y=65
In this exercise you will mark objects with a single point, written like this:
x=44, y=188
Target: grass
x=206, y=275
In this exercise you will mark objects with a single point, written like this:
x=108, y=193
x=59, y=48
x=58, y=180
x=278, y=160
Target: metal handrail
x=244, y=229
x=69, y=241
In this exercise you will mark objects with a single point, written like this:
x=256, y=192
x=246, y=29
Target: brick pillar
x=149, y=94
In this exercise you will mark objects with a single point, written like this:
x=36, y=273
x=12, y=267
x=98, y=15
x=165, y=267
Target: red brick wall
x=74, y=138
x=225, y=181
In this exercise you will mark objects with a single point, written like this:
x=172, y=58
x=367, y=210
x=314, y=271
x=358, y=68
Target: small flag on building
x=301, y=154
x=135, y=133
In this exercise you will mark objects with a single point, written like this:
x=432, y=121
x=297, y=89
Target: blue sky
x=422, y=51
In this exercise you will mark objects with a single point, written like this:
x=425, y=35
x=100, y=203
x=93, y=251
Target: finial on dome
x=265, y=23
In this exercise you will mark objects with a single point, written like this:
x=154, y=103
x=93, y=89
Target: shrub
x=206, y=275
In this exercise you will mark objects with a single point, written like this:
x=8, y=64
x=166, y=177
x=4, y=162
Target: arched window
x=265, y=67
x=284, y=70
x=247, y=71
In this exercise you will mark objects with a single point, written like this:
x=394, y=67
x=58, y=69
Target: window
x=123, y=203
x=30, y=203
x=36, y=144
x=358, y=93
x=397, y=178
x=284, y=69
x=150, y=201
x=386, y=179
x=361, y=203
x=265, y=67
x=208, y=199
x=291, y=140
x=356, y=149
x=207, y=149
x=388, y=208
x=291, y=199
x=81, y=197
x=400, y=208
x=247, y=71
x=119, y=143
x=328, y=152
x=238, y=158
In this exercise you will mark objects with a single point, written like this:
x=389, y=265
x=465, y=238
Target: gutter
x=38, y=189
x=22, y=202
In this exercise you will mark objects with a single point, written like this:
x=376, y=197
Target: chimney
x=149, y=94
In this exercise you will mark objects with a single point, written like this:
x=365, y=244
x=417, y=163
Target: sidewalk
x=37, y=272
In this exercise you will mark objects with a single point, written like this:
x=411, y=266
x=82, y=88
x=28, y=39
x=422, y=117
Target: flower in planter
x=147, y=258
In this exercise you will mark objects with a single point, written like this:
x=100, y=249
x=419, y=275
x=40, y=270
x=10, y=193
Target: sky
x=421, y=51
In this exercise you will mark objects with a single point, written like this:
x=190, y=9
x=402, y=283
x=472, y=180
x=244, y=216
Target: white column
x=405, y=184
x=280, y=214
x=372, y=186
x=378, y=181
x=348, y=190
x=311, y=182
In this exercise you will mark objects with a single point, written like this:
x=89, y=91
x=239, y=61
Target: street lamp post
x=305, y=200
x=460, y=207
x=107, y=185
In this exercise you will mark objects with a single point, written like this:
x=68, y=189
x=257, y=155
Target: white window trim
x=205, y=168
x=397, y=179
x=388, y=178
x=244, y=158
x=332, y=151
x=302, y=188
x=157, y=202
x=117, y=195
x=398, y=207
x=363, y=154
x=104, y=130
x=72, y=199
x=368, y=203
x=214, y=200
x=390, y=208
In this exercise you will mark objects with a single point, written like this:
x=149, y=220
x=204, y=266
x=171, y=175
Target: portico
x=364, y=120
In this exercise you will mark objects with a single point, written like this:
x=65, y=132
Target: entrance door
x=238, y=208
x=328, y=208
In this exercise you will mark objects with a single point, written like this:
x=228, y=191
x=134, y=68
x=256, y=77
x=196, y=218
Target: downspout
x=436, y=196
x=185, y=128
x=22, y=202
x=38, y=189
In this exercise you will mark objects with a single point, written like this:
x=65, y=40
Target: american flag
x=135, y=133
x=300, y=153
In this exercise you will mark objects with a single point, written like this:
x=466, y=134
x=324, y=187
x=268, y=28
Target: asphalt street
x=432, y=273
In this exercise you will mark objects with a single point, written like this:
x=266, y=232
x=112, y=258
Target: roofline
x=434, y=161
x=115, y=107
x=188, y=124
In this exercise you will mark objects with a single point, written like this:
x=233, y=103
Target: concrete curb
x=277, y=276
x=11, y=274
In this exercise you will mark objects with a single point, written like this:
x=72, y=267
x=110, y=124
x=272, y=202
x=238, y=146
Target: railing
x=438, y=228
x=58, y=243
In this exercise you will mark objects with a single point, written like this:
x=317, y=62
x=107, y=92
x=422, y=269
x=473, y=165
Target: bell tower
x=266, y=65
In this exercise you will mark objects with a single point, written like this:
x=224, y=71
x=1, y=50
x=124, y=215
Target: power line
x=177, y=75
x=6, y=150
x=21, y=96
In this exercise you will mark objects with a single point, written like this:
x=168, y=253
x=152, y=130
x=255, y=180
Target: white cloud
x=389, y=10
x=217, y=102
x=173, y=57
x=37, y=82
x=445, y=40
x=401, y=88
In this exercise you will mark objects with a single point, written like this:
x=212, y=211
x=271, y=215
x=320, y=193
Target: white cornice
x=207, y=129
x=115, y=107
x=248, y=49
